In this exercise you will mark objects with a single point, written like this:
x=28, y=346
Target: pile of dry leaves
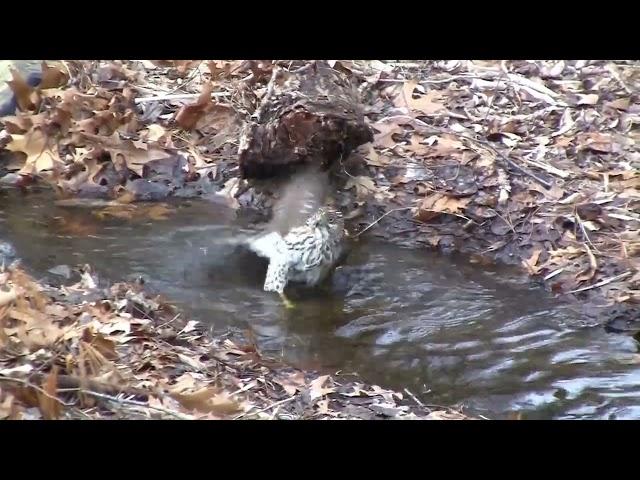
x=527, y=162
x=79, y=351
x=88, y=131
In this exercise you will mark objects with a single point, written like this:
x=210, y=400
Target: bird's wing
x=268, y=245
x=304, y=193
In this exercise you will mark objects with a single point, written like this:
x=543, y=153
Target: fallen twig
x=178, y=96
x=586, y=235
x=191, y=77
x=245, y=414
x=136, y=403
x=521, y=169
x=414, y=398
x=35, y=387
x=602, y=283
x=535, y=89
x=614, y=72
x=380, y=218
x=548, y=168
x=554, y=273
x=76, y=383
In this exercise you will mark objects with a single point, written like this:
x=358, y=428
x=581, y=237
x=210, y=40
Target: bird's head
x=326, y=217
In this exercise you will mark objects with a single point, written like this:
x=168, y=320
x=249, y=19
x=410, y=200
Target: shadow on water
x=449, y=331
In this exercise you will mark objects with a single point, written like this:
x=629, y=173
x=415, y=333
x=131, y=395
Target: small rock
x=589, y=211
x=389, y=410
x=10, y=179
x=61, y=270
x=146, y=190
x=357, y=411
x=7, y=253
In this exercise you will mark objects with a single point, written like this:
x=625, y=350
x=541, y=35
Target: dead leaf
x=323, y=407
x=39, y=157
x=52, y=77
x=22, y=91
x=209, y=400
x=185, y=383
x=18, y=124
x=188, y=115
x=357, y=391
x=136, y=158
x=590, y=272
x=427, y=104
x=590, y=99
x=416, y=146
x=217, y=71
x=566, y=124
x=555, y=193
x=373, y=158
x=292, y=383
x=316, y=390
x=364, y=185
x=7, y=408
x=620, y=103
x=444, y=415
x=445, y=146
x=6, y=298
x=597, y=141
x=189, y=327
x=589, y=211
x=385, y=139
x=531, y=262
x=194, y=363
x=155, y=132
x=218, y=118
x=35, y=330
x=183, y=66
x=554, y=71
x=563, y=141
x=117, y=324
x=103, y=345
x=437, y=203
x=50, y=407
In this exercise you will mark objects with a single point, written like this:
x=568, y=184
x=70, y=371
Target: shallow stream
x=450, y=331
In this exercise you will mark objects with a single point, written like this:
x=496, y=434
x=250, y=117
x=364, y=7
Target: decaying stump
x=309, y=116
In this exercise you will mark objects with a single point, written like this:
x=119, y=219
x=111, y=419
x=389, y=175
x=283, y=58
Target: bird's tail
x=240, y=239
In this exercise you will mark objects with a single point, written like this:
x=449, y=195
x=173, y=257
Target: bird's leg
x=276, y=279
x=287, y=303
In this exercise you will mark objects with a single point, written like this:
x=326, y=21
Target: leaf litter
x=531, y=163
